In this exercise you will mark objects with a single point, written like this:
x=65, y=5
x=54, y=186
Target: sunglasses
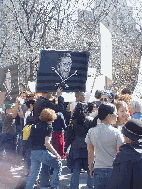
x=104, y=99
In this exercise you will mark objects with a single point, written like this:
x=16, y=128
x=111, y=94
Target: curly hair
x=47, y=114
x=126, y=98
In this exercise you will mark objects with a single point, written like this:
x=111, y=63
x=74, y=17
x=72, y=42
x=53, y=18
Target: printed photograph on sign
x=66, y=69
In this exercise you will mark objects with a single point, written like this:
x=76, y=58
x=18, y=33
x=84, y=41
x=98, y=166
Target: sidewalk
x=66, y=177
x=9, y=179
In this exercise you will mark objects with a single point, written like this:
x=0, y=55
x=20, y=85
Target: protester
x=27, y=150
x=78, y=159
x=123, y=114
x=45, y=102
x=19, y=123
x=127, y=166
x=98, y=94
x=29, y=112
x=107, y=96
x=8, y=135
x=126, y=91
x=103, y=140
x=126, y=98
x=136, y=109
x=120, y=89
x=80, y=97
x=39, y=153
x=59, y=127
x=115, y=91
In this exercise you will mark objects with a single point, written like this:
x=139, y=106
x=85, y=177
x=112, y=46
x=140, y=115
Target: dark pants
x=7, y=145
x=74, y=184
x=19, y=134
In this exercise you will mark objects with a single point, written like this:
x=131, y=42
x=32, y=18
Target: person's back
x=102, y=142
x=59, y=127
x=105, y=139
x=44, y=102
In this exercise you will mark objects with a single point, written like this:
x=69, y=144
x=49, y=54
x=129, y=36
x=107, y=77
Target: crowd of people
x=102, y=137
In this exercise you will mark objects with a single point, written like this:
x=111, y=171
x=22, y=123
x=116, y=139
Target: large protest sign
x=9, y=82
x=67, y=69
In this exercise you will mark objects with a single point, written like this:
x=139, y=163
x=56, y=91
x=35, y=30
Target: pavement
x=11, y=177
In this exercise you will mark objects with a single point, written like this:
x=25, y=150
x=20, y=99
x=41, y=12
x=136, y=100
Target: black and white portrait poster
x=9, y=82
x=67, y=69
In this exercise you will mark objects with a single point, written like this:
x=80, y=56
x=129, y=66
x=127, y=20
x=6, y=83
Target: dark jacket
x=76, y=137
x=127, y=168
x=42, y=103
x=76, y=134
x=59, y=123
x=38, y=134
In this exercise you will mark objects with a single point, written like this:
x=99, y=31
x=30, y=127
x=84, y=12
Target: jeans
x=101, y=177
x=19, y=133
x=8, y=148
x=45, y=175
x=28, y=159
x=43, y=156
x=74, y=184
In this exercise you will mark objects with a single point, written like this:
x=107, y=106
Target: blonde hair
x=47, y=114
x=126, y=98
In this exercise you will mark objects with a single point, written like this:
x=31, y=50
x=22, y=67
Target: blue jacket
x=127, y=168
x=137, y=115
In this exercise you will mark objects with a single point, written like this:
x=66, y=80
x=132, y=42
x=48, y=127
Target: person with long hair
x=123, y=114
x=76, y=134
x=103, y=141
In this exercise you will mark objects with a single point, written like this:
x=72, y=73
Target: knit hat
x=133, y=129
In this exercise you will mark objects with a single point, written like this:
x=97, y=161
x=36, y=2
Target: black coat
x=42, y=103
x=127, y=168
x=76, y=137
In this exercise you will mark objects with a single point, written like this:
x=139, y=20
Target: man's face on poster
x=64, y=66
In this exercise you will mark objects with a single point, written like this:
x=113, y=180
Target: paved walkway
x=10, y=176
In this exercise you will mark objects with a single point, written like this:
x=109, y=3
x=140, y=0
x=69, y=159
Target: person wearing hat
x=127, y=166
x=107, y=96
